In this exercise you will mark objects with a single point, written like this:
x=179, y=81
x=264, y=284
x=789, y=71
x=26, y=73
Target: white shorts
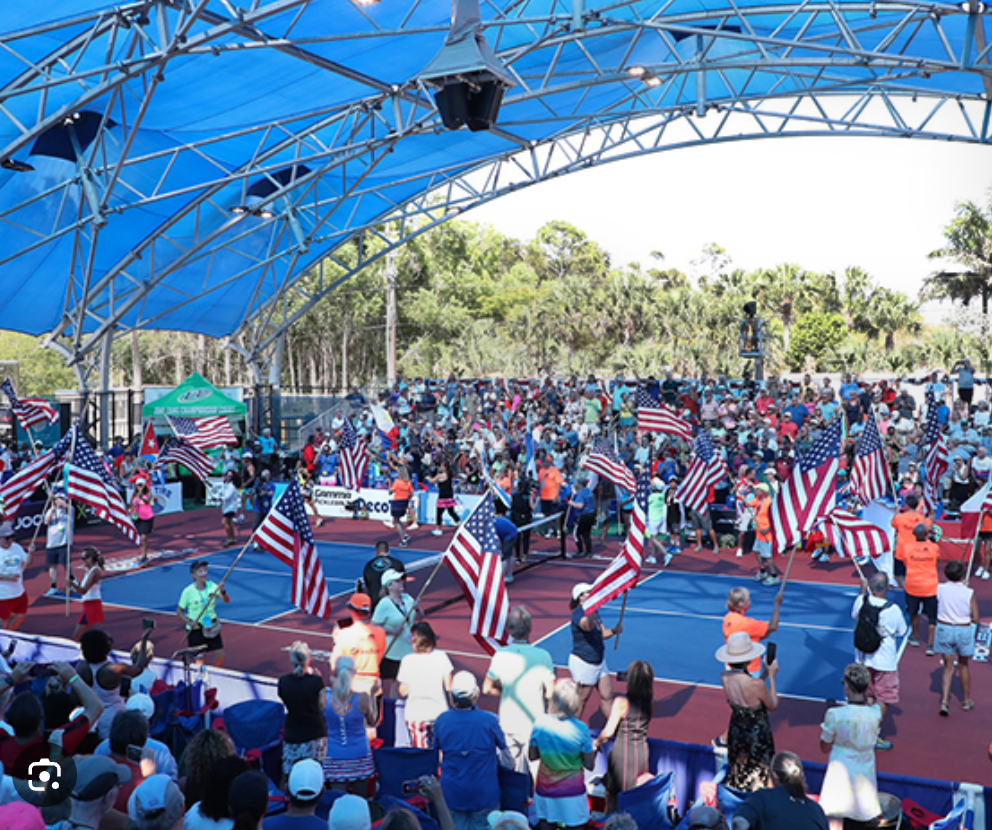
x=586, y=674
x=656, y=528
x=763, y=549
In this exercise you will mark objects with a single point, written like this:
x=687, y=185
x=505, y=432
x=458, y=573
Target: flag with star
x=473, y=557
x=937, y=458
x=603, y=459
x=870, y=472
x=653, y=416
x=353, y=453
x=89, y=481
x=30, y=411
x=706, y=470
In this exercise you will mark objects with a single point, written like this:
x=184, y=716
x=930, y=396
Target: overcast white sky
x=822, y=203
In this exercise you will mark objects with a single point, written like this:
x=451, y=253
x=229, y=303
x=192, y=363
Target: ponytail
x=787, y=771
x=95, y=555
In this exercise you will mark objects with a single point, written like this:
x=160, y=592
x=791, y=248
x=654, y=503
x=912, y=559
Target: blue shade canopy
x=179, y=165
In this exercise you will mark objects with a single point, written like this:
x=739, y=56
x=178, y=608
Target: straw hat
x=739, y=649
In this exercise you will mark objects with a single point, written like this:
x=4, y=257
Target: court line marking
x=689, y=615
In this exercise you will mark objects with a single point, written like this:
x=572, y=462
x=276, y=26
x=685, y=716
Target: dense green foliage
x=815, y=335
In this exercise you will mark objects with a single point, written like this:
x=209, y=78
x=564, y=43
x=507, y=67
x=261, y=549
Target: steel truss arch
x=148, y=218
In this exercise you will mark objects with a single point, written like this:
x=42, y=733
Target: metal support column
x=105, y=431
x=390, y=274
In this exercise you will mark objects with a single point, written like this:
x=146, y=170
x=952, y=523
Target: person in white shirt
x=13, y=561
x=883, y=664
x=957, y=616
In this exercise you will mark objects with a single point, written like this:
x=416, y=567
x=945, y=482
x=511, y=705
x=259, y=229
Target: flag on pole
x=204, y=433
x=971, y=510
x=487, y=476
x=707, y=469
x=181, y=451
x=30, y=411
x=809, y=492
x=604, y=460
x=870, y=473
x=654, y=416
x=149, y=442
x=937, y=459
x=530, y=462
x=89, y=482
x=285, y=533
x=387, y=429
x=19, y=487
x=354, y=457
x=854, y=536
x=623, y=572
x=473, y=557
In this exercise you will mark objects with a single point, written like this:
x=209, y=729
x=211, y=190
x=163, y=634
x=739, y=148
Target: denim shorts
x=954, y=639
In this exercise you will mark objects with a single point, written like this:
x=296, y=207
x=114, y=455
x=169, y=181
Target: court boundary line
x=781, y=623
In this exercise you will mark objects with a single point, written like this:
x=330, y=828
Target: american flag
x=354, y=457
x=89, y=482
x=653, y=416
x=854, y=536
x=809, y=492
x=624, y=570
x=181, y=451
x=602, y=459
x=937, y=459
x=285, y=533
x=473, y=557
x=870, y=472
x=19, y=487
x=707, y=469
x=204, y=433
x=30, y=411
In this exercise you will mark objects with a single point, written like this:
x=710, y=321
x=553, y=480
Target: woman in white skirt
x=587, y=662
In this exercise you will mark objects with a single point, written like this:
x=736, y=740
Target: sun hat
x=764, y=488
x=739, y=649
x=580, y=589
x=6, y=529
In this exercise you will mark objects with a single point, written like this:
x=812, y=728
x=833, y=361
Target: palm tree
x=969, y=244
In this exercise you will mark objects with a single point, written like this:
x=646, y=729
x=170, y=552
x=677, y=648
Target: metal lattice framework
x=191, y=159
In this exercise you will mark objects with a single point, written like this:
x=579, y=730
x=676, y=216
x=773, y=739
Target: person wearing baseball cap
x=363, y=642
x=98, y=780
x=305, y=787
x=165, y=761
x=13, y=562
x=157, y=803
x=587, y=661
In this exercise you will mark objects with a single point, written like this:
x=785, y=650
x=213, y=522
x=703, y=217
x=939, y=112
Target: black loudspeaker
x=460, y=104
x=452, y=104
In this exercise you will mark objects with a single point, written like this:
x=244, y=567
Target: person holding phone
x=750, y=744
x=90, y=589
x=143, y=514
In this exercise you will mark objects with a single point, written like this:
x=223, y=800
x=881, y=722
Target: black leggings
x=523, y=544
x=440, y=515
x=583, y=531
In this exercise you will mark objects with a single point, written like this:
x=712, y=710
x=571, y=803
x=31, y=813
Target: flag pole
x=788, y=568
x=623, y=609
x=974, y=545
x=72, y=515
x=416, y=602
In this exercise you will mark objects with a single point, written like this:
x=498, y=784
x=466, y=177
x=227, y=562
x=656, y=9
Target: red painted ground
x=927, y=745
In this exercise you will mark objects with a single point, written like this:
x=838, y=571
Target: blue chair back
x=648, y=803
x=254, y=724
x=396, y=765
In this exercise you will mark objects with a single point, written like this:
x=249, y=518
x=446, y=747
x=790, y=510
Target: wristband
x=74, y=677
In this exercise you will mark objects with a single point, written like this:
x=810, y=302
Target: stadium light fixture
x=636, y=71
x=16, y=166
x=652, y=80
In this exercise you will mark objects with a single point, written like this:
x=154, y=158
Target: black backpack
x=867, y=640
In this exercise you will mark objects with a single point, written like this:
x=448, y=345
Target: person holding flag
x=583, y=503
x=197, y=609
x=587, y=660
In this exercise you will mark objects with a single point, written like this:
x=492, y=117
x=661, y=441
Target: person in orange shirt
x=549, y=478
x=767, y=570
x=904, y=523
x=362, y=642
x=921, y=557
x=400, y=492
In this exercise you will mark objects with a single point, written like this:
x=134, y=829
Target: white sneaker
x=668, y=559
x=437, y=532
x=650, y=560
x=414, y=526
x=740, y=553
x=979, y=571
x=388, y=523
x=985, y=574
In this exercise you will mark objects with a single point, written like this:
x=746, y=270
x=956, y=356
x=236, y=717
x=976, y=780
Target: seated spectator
x=350, y=812
x=165, y=763
x=156, y=804
x=786, y=805
x=128, y=733
x=704, y=817
x=98, y=780
x=25, y=716
x=212, y=811
x=207, y=749
x=248, y=799
x=305, y=787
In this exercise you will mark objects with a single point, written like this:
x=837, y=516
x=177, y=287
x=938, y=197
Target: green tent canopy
x=196, y=397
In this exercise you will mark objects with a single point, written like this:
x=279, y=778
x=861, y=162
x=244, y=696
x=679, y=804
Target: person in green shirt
x=198, y=610
x=657, y=509
x=592, y=408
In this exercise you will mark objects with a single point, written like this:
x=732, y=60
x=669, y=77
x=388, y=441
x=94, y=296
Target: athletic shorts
x=927, y=604
x=10, y=607
x=56, y=555
x=701, y=521
x=92, y=612
x=586, y=674
x=954, y=639
x=884, y=686
x=196, y=638
x=763, y=548
x=397, y=509
x=655, y=528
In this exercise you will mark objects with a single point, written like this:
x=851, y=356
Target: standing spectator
x=957, y=617
x=90, y=589
x=629, y=720
x=966, y=380
x=143, y=514
x=701, y=522
x=750, y=745
x=883, y=662
x=230, y=504
x=212, y=812
x=785, y=805
x=444, y=479
x=269, y=446
x=376, y=567
x=587, y=660
x=363, y=642
x=395, y=615
x=306, y=786
x=921, y=558
x=561, y=742
x=248, y=800
x=848, y=735
x=469, y=740
x=57, y=539
x=506, y=532
x=263, y=495
x=522, y=514
x=348, y=714
x=165, y=762
x=302, y=692
x=550, y=479
x=584, y=506
x=129, y=733
x=424, y=680
x=197, y=609
x=523, y=676
x=98, y=671
x=13, y=562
